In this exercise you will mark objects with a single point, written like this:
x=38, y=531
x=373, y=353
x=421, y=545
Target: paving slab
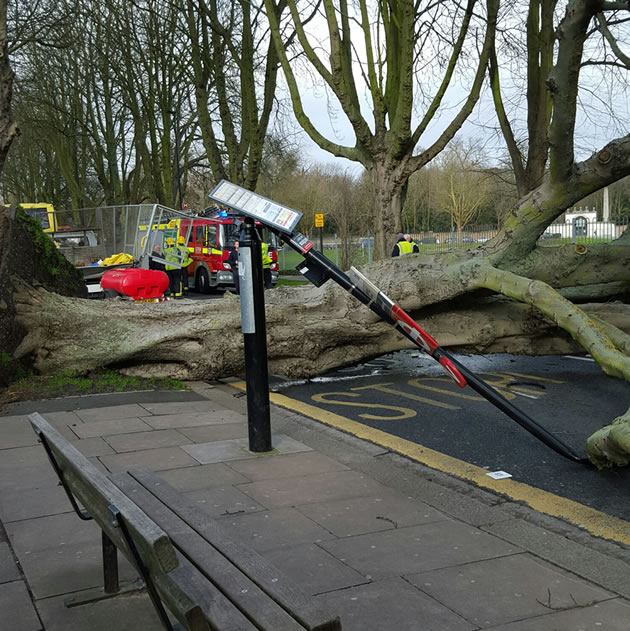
x=60, y=554
x=131, y=613
x=223, y=500
x=497, y=591
x=287, y=466
x=57, y=419
x=275, y=528
x=583, y=560
x=203, y=476
x=63, y=422
x=22, y=457
x=611, y=615
x=238, y=449
x=111, y=427
x=357, y=516
x=110, y=413
x=16, y=432
x=8, y=569
x=194, y=419
x=179, y=407
x=122, y=443
x=227, y=398
x=18, y=613
x=325, y=573
x=219, y=451
x=154, y=459
x=392, y=605
x=25, y=468
x=446, y=498
x=213, y=433
x=20, y=504
x=417, y=548
x=94, y=446
x=311, y=489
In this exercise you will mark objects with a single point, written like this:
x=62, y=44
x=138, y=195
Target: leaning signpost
x=318, y=269
x=255, y=207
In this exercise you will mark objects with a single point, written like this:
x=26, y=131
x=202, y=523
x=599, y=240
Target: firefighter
x=267, y=261
x=171, y=255
x=185, y=259
x=402, y=246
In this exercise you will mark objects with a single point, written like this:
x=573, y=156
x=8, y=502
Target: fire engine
x=209, y=240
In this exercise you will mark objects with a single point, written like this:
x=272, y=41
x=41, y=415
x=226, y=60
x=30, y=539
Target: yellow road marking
x=381, y=387
x=593, y=521
x=471, y=397
x=402, y=412
x=532, y=377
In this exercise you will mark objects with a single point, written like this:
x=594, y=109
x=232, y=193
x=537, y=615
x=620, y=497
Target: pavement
x=381, y=540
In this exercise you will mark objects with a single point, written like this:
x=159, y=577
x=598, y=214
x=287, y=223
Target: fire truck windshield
x=231, y=232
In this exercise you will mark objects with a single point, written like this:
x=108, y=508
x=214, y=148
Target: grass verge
x=69, y=383
x=288, y=282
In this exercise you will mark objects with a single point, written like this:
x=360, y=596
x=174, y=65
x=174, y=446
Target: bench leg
x=110, y=566
x=111, y=583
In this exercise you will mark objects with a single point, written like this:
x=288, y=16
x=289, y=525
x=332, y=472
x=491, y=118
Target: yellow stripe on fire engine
x=162, y=226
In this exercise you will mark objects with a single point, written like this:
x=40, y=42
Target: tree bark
x=8, y=129
x=309, y=331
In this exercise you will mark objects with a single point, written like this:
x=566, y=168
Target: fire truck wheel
x=203, y=282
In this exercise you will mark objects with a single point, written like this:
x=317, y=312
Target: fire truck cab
x=209, y=244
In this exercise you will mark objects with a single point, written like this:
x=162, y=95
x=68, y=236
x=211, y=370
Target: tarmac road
x=409, y=396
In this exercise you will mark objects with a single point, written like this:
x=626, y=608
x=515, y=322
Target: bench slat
x=186, y=580
x=222, y=575
x=96, y=493
x=271, y=581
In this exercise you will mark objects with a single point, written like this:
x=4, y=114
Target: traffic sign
x=319, y=220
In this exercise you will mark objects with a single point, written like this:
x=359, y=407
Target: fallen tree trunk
x=309, y=332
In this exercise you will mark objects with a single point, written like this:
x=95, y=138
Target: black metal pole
x=321, y=239
x=317, y=259
x=255, y=337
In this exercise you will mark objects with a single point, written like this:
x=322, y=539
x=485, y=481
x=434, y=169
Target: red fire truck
x=209, y=245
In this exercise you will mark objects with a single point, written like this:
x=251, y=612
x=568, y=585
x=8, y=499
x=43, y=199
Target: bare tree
x=462, y=187
x=235, y=69
x=8, y=128
x=401, y=40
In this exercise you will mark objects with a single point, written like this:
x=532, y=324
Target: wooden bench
x=187, y=560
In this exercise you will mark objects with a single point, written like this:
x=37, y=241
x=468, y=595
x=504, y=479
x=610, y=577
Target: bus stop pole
x=250, y=273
